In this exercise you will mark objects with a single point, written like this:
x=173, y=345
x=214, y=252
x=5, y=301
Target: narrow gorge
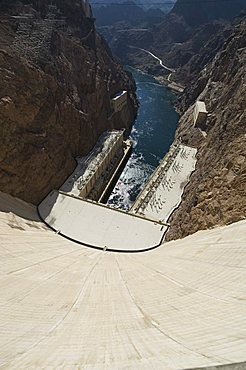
x=85, y=285
x=205, y=45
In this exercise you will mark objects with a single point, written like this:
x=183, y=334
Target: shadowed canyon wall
x=56, y=85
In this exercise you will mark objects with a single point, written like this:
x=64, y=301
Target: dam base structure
x=96, y=173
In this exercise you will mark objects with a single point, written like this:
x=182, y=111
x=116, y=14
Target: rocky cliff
x=57, y=77
x=181, y=35
x=207, y=50
x=216, y=194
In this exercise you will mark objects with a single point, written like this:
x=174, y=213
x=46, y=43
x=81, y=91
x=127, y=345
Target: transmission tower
x=33, y=37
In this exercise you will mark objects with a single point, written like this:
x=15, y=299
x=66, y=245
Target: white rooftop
x=201, y=106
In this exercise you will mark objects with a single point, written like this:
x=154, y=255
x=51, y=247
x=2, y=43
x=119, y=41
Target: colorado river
x=152, y=135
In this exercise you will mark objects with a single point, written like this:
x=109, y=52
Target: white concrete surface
x=200, y=113
x=163, y=193
x=98, y=225
x=65, y=306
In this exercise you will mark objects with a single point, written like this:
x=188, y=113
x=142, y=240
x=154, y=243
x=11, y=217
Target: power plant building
x=108, y=147
x=96, y=171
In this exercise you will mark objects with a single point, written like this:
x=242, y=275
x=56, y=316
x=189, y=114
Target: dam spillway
x=66, y=306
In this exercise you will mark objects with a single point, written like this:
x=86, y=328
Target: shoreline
x=175, y=87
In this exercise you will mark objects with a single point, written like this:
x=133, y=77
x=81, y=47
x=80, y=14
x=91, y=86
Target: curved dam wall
x=66, y=306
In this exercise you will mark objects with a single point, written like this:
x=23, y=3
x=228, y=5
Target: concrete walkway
x=65, y=306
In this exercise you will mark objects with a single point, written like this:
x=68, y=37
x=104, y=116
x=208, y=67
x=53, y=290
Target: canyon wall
x=57, y=77
x=216, y=194
x=181, y=35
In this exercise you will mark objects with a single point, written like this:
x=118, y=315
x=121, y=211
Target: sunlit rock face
x=216, y=194
x=58, y=76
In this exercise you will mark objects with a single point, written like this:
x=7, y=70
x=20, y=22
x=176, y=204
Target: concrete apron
x=95, y=225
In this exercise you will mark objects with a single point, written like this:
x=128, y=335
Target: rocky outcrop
x=56, y=85
x=216, y=194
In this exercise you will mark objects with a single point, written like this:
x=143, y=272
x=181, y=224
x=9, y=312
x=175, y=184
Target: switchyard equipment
x=163, y=191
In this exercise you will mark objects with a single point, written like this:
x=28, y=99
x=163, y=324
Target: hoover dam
x=84, y=285
x=67, y=306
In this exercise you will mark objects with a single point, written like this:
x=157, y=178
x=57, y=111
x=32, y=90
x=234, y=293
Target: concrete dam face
x=67, y=306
